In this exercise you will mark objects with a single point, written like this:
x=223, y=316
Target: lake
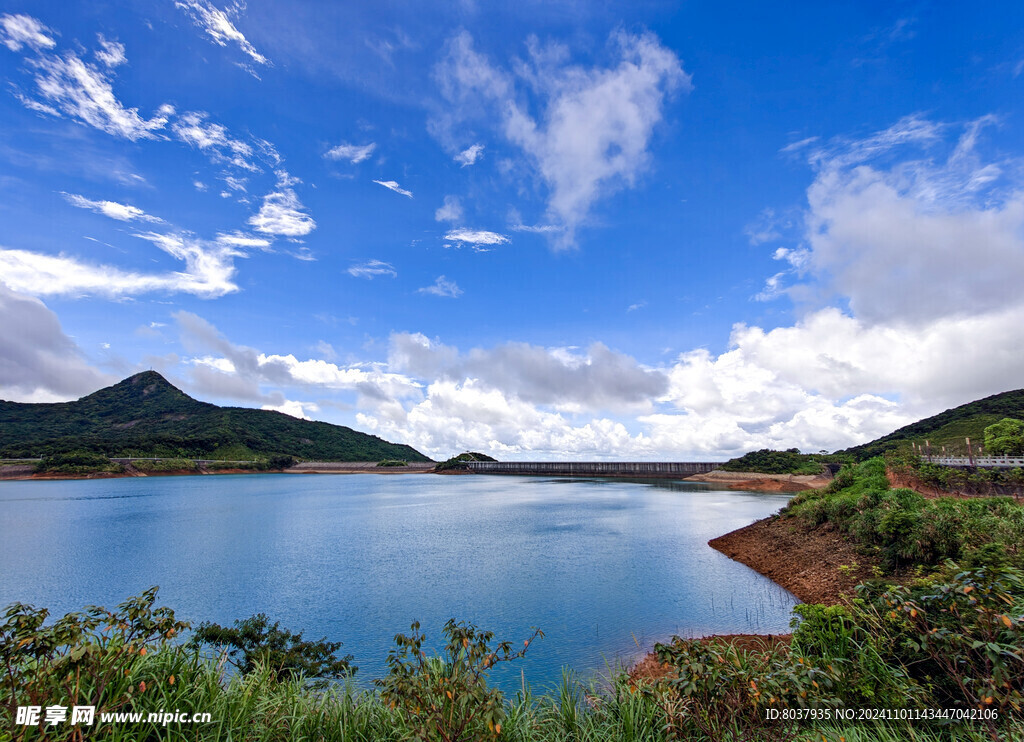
x=604, y=567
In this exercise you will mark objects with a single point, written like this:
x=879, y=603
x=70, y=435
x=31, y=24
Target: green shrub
x=447, y=698
x=78, y=462
x=791, y=461
x=392, y=462
x=1005, y=438
x=82, y=659
x=144, y=465
x=255, y=641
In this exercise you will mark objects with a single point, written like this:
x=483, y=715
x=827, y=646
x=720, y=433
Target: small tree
x=446, y=699
x=1005, y=438
x=255, y=641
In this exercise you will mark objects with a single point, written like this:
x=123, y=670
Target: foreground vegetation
x=126, y=661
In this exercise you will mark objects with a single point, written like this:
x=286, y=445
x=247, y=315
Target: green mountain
x=949, y=428
x=145, y=415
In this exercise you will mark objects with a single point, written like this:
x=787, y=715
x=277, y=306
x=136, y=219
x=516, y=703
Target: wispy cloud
x=218, y=25
x=193, y=129
x=372, y=269
x=110, y=53
x=478, y=239
x=68, y=86
x=596, y=124
x=208, y=272
x=112, y=209
x=442, y=287
x=469, y=155
x=393, y=186
x=282, y=213
x=354, y=153
x=24, y=30
x=450, y=210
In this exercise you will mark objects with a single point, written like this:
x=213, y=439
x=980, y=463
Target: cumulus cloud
x=218, y=25
x=241, y=370
x=282, y=213
x=39, y=362
x=372, y=269
x=449, y=211
x=392, y=185
x=442, y=287
x=24, y=30
x=596, y=379
x=936, y=232
x=354, y=153
x=466, y=416
x=469, y=155
x=112, y=209
x=591, y=133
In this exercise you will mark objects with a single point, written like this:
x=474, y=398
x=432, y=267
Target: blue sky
x=543, y=230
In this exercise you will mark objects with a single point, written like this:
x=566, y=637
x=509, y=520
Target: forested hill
x=949, y=428
x=145, y=415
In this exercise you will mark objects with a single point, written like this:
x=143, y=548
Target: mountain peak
x=145, y=387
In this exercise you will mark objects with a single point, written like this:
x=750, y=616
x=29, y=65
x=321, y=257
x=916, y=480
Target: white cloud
x=208, y=271
x=112, y=209
x=469, y=155
x=592, y=133
x=240, y=239
x=372, y=269
x=24, y=30
x=38, y=361
x=597, y=379
x=218, y=25
x=354, y=153
x=466, y=416
x=294, y=408
x=442, y=287
x=917, y=240
x=83, y=91
x=479, y=239
x=393, y=186
x=193, y=129
x=282, y=213
x=110, y=53
x=450, y=210
x=241, y=370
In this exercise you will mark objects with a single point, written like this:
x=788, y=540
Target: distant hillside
x=145, y=415
x=949, y=428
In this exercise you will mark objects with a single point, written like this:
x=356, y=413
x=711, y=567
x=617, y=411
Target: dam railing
x=638, y=469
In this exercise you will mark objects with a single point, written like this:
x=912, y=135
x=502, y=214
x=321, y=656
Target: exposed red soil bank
x=804, y=560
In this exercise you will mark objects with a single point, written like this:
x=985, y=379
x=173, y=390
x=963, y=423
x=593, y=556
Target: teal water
x=604, y=567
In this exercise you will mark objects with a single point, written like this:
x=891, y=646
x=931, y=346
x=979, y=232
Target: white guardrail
x=985, y=462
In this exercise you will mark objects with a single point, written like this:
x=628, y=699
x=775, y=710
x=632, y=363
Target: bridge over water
x=637, y=469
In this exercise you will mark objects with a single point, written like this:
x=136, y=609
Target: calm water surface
x=604, y=567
